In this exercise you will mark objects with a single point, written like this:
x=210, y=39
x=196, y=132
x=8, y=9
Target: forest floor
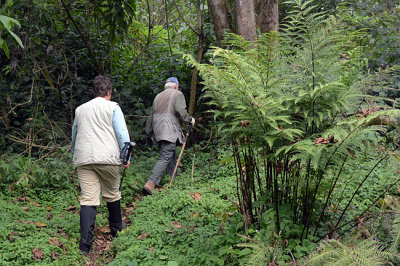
x=103, y=238
x=196, y=222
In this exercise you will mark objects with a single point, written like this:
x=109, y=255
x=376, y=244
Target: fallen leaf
x=196, y=196
x=40, y=224
x=22, y=199
x=329, y=139
x=176, y=224
x=10, y=237
x=105, y=230
x=49, y=208
x=319, y=140
x=245, y=123
x=151, y=249
x=142, y=236
x=71, y=209
x=195, y=215
x=49, y=216
x=37, y=254
x=54, y=241
x=34, y=203
x=54, y=255
x=25, y=209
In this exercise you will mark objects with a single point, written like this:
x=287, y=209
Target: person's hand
x=149, y=142
x=192, y=121
x=126, y=166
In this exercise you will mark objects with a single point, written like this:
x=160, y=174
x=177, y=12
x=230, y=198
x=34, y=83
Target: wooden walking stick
x=180, y=155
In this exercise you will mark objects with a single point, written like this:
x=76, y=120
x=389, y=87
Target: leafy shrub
x=293, y=108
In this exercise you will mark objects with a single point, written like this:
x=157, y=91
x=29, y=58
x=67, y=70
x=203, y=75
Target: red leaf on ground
x=61, y=233
x=54, y=255
x=176, y=224
x=105, y=230
x=142, y=236
x=54, y=241
x=196, y=196
x=10, y=236
x=37, y=254
x=151, y=249
x=34, y=203
x=25, y=209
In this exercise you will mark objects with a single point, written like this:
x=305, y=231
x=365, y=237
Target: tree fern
x=294, y=102
x=365, y=252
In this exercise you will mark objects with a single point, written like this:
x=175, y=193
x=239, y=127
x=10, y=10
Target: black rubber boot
x=87, y=220
x=114, y=217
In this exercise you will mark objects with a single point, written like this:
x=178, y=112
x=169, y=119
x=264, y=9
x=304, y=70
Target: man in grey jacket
x=98, y=134
x=164, y=122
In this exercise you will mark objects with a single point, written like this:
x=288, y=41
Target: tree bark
x=245, y=19
x=193, y=83
x=219, y=14
x=267, y=15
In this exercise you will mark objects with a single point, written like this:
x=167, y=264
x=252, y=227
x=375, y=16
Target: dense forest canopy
x=296, y=105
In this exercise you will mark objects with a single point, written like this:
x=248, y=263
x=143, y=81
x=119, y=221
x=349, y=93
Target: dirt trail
x=100, y=254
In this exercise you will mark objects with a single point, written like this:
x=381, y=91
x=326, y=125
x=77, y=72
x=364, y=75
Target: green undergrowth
x=37, y=228
x=173, y=227
x=193, y=223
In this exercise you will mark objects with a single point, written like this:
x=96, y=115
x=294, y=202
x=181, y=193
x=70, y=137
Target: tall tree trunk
x=193, y=83
x=245, y=19
x=267, y=15
x=219, y=14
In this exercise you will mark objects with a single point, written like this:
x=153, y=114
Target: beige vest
x=96, y=141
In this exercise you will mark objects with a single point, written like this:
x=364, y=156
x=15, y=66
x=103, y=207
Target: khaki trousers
x=94, y=178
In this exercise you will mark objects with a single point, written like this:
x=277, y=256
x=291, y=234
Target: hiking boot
x=148, y=188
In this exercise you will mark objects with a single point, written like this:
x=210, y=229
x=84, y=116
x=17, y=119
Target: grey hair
x=170, y=85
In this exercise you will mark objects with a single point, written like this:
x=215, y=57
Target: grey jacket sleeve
x=180, y=108
x=149, y=124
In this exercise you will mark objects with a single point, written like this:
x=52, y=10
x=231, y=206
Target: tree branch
x=183, y=19
x=85, y=40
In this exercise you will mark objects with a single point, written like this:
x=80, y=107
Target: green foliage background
x=275, y=99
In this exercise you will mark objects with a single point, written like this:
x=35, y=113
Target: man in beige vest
x=98, y=134
x=164, y=122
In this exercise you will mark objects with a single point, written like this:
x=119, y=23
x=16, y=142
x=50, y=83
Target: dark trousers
x=166, y=161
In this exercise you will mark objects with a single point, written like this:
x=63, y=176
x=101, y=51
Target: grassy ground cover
x=191, y=223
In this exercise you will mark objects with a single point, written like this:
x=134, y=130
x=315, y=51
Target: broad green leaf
x=16, y=38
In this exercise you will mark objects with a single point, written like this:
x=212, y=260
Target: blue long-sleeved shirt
x=119, y=126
